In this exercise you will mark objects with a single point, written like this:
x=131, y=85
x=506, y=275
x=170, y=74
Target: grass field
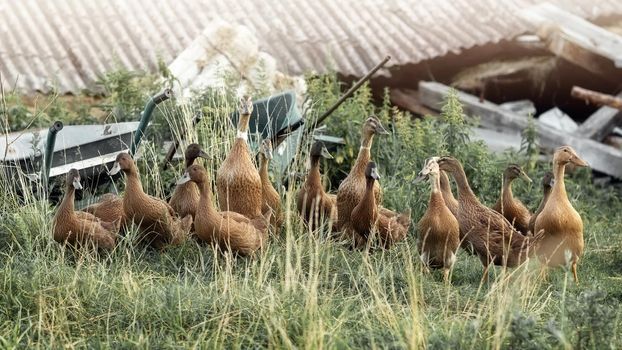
x=304, y=290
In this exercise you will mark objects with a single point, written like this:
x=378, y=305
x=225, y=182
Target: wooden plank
x=601, y=157
x=409, y=100
x=577, y=40
x=601, y=123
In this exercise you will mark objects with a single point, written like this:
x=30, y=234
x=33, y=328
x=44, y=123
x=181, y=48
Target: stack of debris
x=574, y=41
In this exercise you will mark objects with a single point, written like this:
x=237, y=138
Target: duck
x=313, y=203
x=186, y=196
x=510, y=207
x=547, y=184
x=492, y=236
x=367, y=217
x=155, y=217
x=438, y=228
x=271, y=199
x=78, y=227
x=227, y=229
x=237, y=180
x=559, y=222
x=353, y=187
x=109, y=208
x=448, y=196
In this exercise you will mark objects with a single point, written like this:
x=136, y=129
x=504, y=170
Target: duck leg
x=446, y=275
x=574, y=272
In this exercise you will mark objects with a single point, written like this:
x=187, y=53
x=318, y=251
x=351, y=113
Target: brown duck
x=448, y=196
x=439, y=231
x=560, y=223
x=510, y=207
x=237, y=180
x=108, y=209
x=186, y=196
x=271, y=198
x=367, y=217
x=313, y=203
x=81, y=228
x=547, y=184
x=353, y=187
x=493, y=238
x=156, y=218
x=229, y=230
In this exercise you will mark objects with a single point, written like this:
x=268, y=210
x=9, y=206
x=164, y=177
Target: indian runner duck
x=237, y=180
x=186, y=196
x=229, y=230
x=493, y=238
x=108, y=209
x=510, y=207
x=271, y=198
x=79, y=228
x=155, y=218
x=367, y=217
x=547, y=184
x=448, y=196
x=439, y=231
x=560, y=224
x=312, y=202
x=353, y=187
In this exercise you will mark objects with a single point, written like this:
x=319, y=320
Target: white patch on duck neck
x=368, y=147
x=242, y=135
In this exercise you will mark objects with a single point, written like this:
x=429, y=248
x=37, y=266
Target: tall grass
x=305, y=290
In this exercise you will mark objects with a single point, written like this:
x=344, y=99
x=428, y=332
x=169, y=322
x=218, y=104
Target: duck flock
x=249, y=208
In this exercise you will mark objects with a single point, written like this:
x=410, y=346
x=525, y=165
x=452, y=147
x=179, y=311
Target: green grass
x=304, y=290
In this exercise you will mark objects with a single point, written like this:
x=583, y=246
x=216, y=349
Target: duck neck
x=132, y=182
x=243, y=126
x=464, y=190
x=444, y=185
x=507, y=189
x=364, y=155
x=205, y=202
x=436, y=194
x=189, y=162
x=368, y=214
x=66, y=207
x=263, y=167
x=314, y=177
x=559, y=187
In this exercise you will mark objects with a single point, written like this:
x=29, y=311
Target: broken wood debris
x=601, y=157
x=602, y=122
x=577, y=40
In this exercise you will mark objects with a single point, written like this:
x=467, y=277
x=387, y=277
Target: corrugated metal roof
x=67, y=43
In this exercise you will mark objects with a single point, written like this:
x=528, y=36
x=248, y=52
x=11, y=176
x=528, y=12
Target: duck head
x=319, y=150
x=73, y=179
x=371, y=172
x=372, y=126
x=514, y=171
x=195, y=173
x=266, y=148
x=565, y=154
x=449, y=164
x=430, y=168
x=548, y=180
x=194, y=151
x=245, y=106
x=123, y=162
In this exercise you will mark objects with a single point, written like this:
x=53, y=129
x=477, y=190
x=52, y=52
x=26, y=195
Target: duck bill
x=115, y=169
x=420, y=178
x=204, y=155
x=579, y=162
x=326, y=154
x=524, y=176
x=374, y=174
x=552, y=182
x=76, y=184
x=269, y=154
x=380, y=130
x=184, y=179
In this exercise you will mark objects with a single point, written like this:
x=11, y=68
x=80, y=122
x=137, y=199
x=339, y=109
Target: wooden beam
x=602, y=122
x=601, y=157
x=409, y=100
x=596, y=98
x=577, y=40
